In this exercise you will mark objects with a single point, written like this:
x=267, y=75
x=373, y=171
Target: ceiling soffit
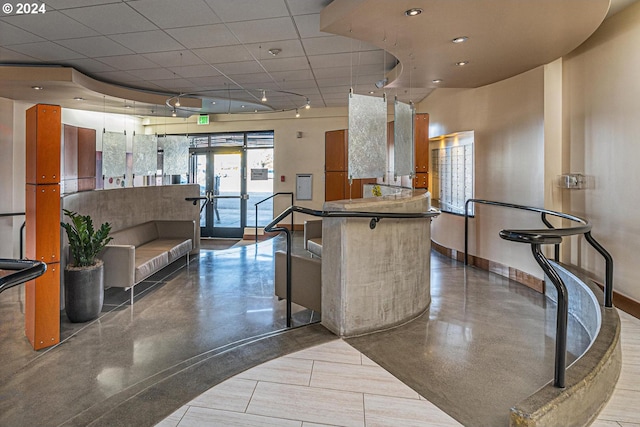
x=505, y=37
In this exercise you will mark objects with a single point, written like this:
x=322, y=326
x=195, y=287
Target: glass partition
x=145, y=153
x=114, y=154
x=403, y=163
x=367, y=136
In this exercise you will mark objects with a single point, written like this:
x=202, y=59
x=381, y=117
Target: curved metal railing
x=550, y=235
x=375, y=218
x=268, y=198
x=25, y=270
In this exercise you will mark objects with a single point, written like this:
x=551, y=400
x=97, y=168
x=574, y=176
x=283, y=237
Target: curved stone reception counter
x=375, y=278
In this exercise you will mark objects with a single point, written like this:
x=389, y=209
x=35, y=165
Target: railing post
x=608, y=259
x=561, y=315
x=291, y=212
x=466, y=232
x=256, y=230
x=556, y=250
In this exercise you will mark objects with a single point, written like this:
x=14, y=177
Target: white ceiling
x=219, y=49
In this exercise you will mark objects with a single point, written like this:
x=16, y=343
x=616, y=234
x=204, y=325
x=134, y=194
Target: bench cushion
x=148, y=261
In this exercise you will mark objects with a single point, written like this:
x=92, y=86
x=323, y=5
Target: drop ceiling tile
x=286, y=64
x=298, y=85
x=10, y=34
x=218, y=55
x=48, y=51
x=176, y=58
x=67, y=4
x=336, y=89
x=334, y=44
x=289, y=76
x=288, y=48
x=245, y=67
x=51, y=26
x=174, y=14
x=246, y=10
x=174, y=85
x=204, y=36
x=153, y=74
x=195, y=71
x=95, y=46
x=127, y=62
x=114, y=18
x=7, y=56
x=217, y=82
x=264, y=30
x=309, y=26
x=303, y=7
x=254, y=80
x=147, y=41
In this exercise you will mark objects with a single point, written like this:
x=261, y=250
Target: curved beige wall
x=507, y=118
x=602, y=136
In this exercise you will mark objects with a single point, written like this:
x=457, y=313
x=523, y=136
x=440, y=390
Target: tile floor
x=333, y=384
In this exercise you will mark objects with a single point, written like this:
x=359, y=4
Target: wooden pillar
x=42, y=295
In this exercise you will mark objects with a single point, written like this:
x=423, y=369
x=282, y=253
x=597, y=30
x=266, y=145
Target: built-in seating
x=137, y=252
x=306, y=280
x=313, y=237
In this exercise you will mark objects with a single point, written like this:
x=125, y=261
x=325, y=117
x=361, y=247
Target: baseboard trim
x=514, y=274
x=624, y=303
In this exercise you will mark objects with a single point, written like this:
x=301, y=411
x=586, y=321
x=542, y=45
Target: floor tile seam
x=293, y=356
x=332, y=389
x=230, y=411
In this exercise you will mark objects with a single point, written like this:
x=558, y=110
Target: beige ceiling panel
x=288, y=48
x=232, y=68
x=51, y=25
x=304, y=7
x=7, y=55
x=49, y=51
x=148, y=41
x=111, y=18
x=218, y=55
x=247, y=10
x=174, y=14
x=176, y=58
x=14, y=35
x=264, y=30
x=204, y=36
x=127, y=62
x=335, y=44
x=195, y=71
x=96, y=46
x=88, y=66
x=286, y=64
x=68, y=4
x=309, y=26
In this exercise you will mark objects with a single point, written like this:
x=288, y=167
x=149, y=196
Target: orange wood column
x=42, y=295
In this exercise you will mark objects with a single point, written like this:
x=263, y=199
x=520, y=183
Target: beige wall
x=292, y=155
x=507, y=118
x=601, y=135
x=7, y=229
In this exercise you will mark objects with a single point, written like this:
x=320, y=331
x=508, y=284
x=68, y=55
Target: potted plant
x=83, y=276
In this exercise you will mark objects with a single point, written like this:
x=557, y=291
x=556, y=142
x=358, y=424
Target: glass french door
x=220, y=172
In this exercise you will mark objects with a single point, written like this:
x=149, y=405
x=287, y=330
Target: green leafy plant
x=84, y=241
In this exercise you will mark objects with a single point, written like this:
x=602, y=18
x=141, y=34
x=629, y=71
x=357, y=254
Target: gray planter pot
x=84, y=292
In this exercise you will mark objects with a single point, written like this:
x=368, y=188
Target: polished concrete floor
x=485, y=342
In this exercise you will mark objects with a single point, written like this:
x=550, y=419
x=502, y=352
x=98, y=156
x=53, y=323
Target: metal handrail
x=375, y=218
x=550, y=235
x=270, y=197
x=26, y=270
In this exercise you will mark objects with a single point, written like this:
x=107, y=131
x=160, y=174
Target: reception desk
x=375, y=278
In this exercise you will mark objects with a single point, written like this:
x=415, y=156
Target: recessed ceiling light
x=77, y=98
x=127, y=106
x=242, y=106
x=371, y=92
x=274, y=51
x=413, y=12
x=213, y=102
x=460, y=39
x=37, y=87
x=436, y=81
x=462, y=63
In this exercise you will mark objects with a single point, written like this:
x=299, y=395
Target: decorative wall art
x=367, y=136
